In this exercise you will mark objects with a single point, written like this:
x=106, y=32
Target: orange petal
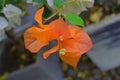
x=31, y=43
x=71, y=45
x=51, y=51
x=44, y=35
x=60, y=28
x=70, y=60
x=40, y=34
x=79, y=44
x=82, y=38
x=38, y=17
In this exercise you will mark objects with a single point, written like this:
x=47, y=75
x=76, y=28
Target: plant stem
x=51, y=16
x=3, y=3
x=60, y=12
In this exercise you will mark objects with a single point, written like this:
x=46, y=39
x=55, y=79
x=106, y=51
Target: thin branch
x=51, y=16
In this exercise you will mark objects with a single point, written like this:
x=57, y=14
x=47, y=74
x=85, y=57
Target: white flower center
x=61, y=38
x=62, y=51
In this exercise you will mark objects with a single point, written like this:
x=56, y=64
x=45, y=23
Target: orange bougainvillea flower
x=72, y=41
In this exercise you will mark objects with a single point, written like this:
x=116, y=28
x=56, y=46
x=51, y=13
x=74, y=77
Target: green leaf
x=58, y=3
x=46, y=12
x=44, y=2
x=74, y=19
x=40, y=1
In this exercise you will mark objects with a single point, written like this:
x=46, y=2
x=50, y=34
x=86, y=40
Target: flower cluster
x=12, y=18
x=13, y=14
x=72, y=41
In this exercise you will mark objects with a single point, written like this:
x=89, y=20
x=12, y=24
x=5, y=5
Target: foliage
x=58, y=3
x=71, y=9
x=75, y=19
x=40, y=1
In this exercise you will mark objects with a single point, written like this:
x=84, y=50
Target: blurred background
x=18, y=15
